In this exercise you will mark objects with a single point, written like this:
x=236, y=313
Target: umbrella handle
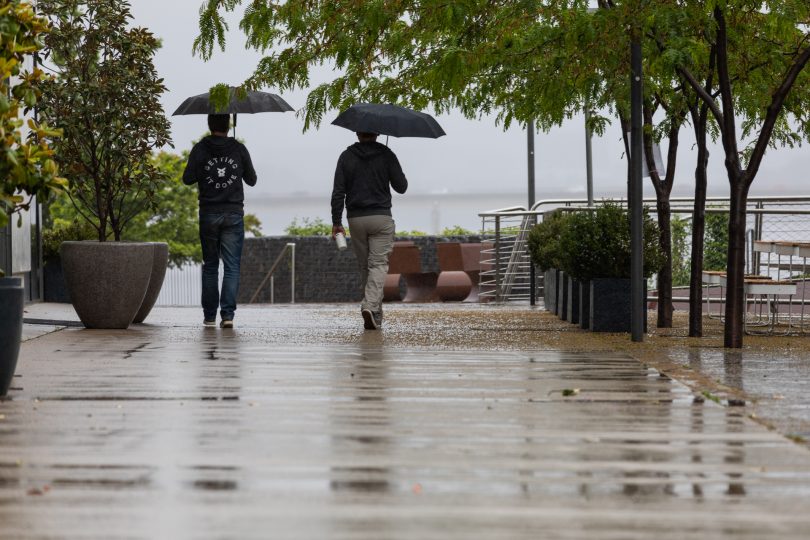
x=234, y=125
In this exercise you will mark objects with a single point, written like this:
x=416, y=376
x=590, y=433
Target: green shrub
x=309, y=227
x=715, y=247
x=596, y=244
x=544, y=241
x=681, y=232
x=456, y=230
x=411, y=233
x=65, y=231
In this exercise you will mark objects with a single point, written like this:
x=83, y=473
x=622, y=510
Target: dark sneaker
x=378, y=319
x=209, y=322
x=369, y=322
x=226, y=323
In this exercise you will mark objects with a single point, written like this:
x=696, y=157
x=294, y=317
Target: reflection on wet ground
x=156, y=434
x=777, y=386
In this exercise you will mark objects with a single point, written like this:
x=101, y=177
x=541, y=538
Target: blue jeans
x=221, y=235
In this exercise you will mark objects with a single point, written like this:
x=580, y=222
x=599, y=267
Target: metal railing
x=506, y=267
x=290, y=247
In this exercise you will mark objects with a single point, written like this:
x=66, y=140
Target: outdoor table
x=770, y=289
x=788, y=249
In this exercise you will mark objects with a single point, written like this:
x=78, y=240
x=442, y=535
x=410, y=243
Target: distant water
x=429, y=213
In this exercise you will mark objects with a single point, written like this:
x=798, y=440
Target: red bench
x=460, y=266
x=405, y=263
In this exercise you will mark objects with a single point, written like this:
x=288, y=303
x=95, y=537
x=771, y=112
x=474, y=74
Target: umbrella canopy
x=390, y=120
x=254, y=102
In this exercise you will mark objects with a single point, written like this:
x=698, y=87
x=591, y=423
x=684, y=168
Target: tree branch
x=774, y=110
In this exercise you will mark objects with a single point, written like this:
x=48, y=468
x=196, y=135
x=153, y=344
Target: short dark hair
x=366, y=136
x=219, y=123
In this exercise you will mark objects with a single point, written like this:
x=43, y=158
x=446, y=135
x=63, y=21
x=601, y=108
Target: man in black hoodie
x=219, y=164
x=365, y=173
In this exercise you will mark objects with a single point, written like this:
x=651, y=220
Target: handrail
x=516, y=211
x=291, y=247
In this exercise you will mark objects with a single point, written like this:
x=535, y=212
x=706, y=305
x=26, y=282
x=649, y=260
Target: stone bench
x=405, y=263
x=460, y=266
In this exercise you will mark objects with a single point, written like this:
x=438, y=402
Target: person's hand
x=338, y=229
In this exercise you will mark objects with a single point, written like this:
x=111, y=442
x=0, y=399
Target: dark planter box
x=610, y=305
x=12, y=300
x=550, y=290
x=574, y=288
x=562, y=296
x=55, y=287
x=584, y=304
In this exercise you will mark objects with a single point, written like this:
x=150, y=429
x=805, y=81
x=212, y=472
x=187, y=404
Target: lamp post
x=530, y=159
x=588, y=156
x=634, y=195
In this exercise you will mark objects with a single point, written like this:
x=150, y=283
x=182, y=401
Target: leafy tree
x=759, y=51
x=106, y=99
x=27, y=167
x=174, y=218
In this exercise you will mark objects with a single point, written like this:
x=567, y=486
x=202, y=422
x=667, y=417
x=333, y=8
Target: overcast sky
x=475, y=156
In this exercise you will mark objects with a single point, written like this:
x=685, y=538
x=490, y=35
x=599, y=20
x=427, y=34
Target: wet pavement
x=299, y=425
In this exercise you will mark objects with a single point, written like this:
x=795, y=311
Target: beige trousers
x=372, y=242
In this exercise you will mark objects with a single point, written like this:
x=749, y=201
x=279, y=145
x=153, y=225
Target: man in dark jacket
x=365, y=173
x=219, y=164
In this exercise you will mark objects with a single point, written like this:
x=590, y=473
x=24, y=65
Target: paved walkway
x=173, y=431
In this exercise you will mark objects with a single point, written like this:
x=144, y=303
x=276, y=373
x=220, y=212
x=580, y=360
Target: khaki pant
x=372, y=242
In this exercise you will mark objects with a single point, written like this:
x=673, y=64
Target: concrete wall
x=323, y=274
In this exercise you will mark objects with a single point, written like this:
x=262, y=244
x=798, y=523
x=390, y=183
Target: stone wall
x=323, y=274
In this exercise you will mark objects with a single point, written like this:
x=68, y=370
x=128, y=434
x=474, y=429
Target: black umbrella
x=254, y=102
x=390, y=120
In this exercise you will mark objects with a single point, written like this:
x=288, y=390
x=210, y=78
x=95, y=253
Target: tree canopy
x=106, y=99
x=27, y=167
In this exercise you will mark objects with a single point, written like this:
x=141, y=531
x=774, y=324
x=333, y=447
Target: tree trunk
x=665, y=274
x=698, y=232
x=735, y=269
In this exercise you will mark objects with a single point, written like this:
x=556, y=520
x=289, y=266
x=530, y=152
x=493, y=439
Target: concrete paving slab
x=298, y=425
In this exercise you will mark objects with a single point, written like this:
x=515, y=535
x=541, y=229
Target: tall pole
x=634, y=195
x=530, y=158
x=588, y=155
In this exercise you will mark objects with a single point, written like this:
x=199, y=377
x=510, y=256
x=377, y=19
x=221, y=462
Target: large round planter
x=12, y=300
x=159, y=263
x=107, y=281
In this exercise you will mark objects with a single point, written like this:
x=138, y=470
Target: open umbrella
x=254, y=102
x=390, y=120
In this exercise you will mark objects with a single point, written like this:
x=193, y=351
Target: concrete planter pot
x=12, y=300
x=159, y=264
x=585, y=304
x=107, y=281
x=573, y=313
x=610, y=305
x=550, y=290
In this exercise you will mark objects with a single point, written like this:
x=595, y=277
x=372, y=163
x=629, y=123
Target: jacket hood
x=367, y=150
x=217, y=144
